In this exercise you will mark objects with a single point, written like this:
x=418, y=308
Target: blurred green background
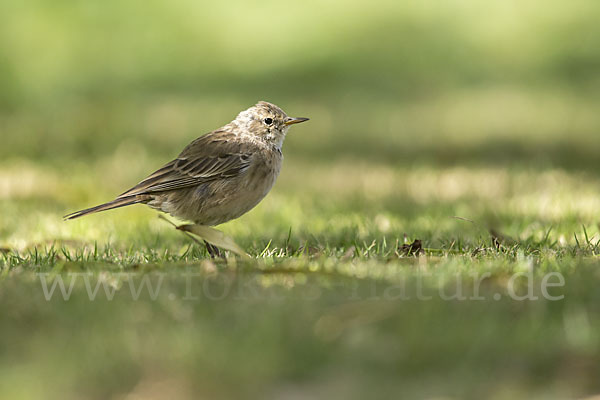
x=420, y=111
x=402, y=82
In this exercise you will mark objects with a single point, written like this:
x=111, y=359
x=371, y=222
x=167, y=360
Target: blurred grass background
x=420, y=111
x=401, y=82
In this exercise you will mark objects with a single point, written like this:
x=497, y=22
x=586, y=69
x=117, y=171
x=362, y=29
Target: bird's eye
x=268, y=121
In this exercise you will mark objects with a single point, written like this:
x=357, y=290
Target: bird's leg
x=214, y=239
x=213, y=251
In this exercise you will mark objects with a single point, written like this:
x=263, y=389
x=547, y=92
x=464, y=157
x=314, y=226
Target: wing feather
x=182, y=173
x=216, y=155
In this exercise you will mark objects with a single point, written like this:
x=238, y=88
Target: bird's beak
x=292, y=121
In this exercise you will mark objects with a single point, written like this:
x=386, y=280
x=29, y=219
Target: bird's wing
x=204, y=160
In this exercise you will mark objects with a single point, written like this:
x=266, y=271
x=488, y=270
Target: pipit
x=219, y=176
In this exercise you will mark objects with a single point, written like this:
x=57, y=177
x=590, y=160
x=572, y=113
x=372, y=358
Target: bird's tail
x=120, y=202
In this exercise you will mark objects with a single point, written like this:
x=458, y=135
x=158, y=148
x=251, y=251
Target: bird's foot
x=214, y=239
x=213, y=251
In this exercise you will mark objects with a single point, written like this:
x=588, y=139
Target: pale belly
x=220, y=201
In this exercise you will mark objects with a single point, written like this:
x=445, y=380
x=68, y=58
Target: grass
x=469, y=128
x=331, y=305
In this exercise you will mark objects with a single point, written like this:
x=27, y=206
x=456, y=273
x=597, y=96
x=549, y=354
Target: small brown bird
x=219, y=176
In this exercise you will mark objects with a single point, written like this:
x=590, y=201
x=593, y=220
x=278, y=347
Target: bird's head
x=266, y=122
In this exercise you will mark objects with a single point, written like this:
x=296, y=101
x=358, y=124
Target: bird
x=219, y=176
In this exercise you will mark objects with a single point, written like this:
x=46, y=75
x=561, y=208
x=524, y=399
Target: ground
x=331, y=305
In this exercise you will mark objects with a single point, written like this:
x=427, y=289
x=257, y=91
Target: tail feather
x=121, y=202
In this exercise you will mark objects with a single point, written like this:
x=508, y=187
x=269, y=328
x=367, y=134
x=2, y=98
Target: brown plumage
x=219, y=176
